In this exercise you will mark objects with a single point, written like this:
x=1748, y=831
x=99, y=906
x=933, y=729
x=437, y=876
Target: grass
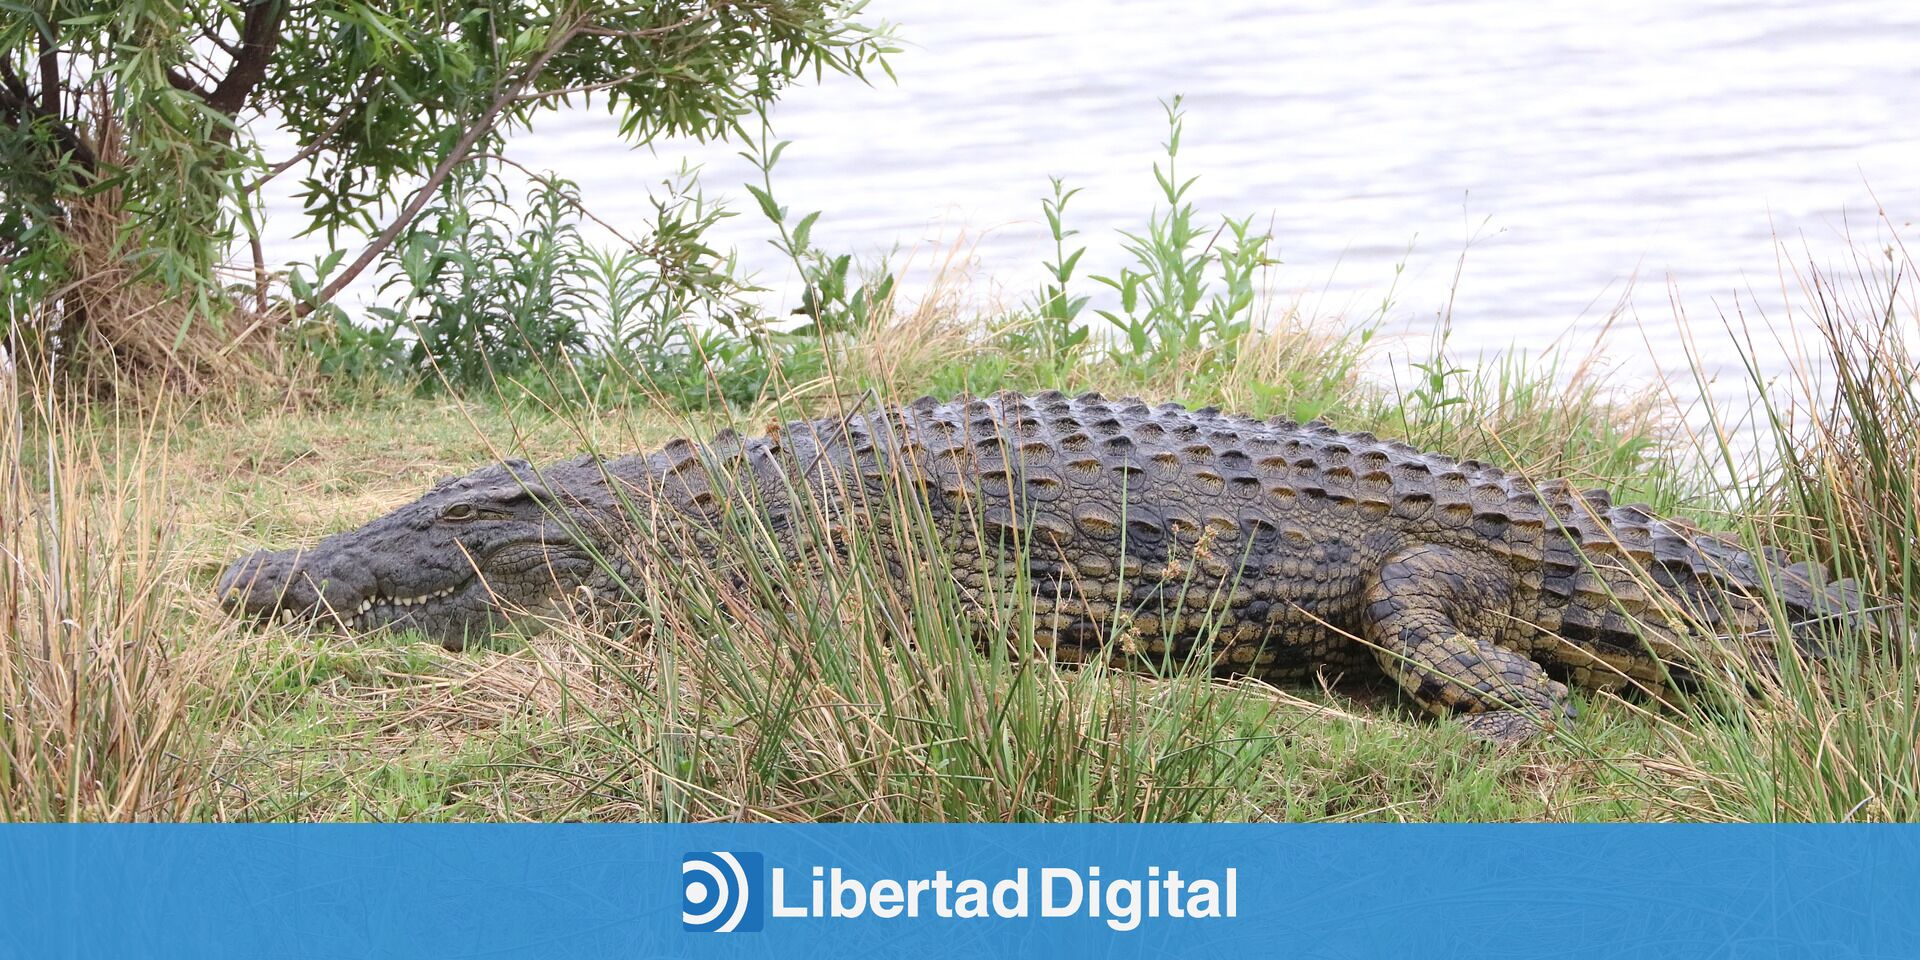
x=1842, y=450
x=764, y=718
x=94, y=689
x=131, y=695
x=824, y=691
x=790, y=721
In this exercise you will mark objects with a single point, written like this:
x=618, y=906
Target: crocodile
x=1142, y=534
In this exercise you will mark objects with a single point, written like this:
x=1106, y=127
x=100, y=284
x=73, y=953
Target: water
x=1576, y=148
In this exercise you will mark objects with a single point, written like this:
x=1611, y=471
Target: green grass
x=128, y=694
x=877, y=705
x=816, y=719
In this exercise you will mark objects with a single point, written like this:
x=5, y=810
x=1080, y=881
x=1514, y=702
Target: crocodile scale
x=1145, y=534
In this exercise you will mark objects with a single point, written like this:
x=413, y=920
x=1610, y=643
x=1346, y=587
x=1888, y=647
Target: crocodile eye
x=458, y=512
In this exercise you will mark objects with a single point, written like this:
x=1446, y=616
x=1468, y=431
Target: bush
x=124, y=132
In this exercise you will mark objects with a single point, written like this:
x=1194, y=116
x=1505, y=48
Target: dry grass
x=905, y=346
x=94, y=677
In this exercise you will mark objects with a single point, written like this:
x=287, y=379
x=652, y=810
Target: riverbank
x=134, y=696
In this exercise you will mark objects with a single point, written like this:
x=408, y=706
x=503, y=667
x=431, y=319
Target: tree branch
x=322, y=141
x=577, y=206
x=460, y=153
x=259, y=35
x=212, y=34
x=179, y=81
x=49, y=76
x=648, y=33
x=17, y=102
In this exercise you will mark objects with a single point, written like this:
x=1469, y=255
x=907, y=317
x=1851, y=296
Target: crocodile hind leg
x=1430, y=616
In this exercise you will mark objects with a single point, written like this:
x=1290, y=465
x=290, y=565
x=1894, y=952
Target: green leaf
x=772, y=211
x=329, y=263
x=804, y=230
x=1066, y=270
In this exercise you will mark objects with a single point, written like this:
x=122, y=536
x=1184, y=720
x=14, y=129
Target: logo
x=719, y=893
x=726, y=892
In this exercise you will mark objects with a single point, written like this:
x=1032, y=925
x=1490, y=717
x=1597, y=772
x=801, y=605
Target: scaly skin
x=1144, y=531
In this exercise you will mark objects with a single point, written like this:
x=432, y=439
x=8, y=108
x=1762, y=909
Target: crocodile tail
x=1819, y=607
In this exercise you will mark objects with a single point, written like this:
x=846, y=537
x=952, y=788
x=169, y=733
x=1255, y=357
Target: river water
x=1587, y=159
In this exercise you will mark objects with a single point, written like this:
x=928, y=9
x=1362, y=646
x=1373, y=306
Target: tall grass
x=852, y=681
x=847, y=679
x=832, y=688
x=95, y=679
x=1838, y=738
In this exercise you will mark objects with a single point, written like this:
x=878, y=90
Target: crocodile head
x=453, y=564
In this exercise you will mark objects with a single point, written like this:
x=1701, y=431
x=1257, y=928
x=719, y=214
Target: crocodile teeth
x=378, y=600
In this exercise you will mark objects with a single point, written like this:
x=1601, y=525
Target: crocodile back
x=1172, y=522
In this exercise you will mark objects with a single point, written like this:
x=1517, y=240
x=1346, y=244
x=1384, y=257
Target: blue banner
x=1426, y=891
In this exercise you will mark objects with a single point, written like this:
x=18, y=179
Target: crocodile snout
x=266, y=583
